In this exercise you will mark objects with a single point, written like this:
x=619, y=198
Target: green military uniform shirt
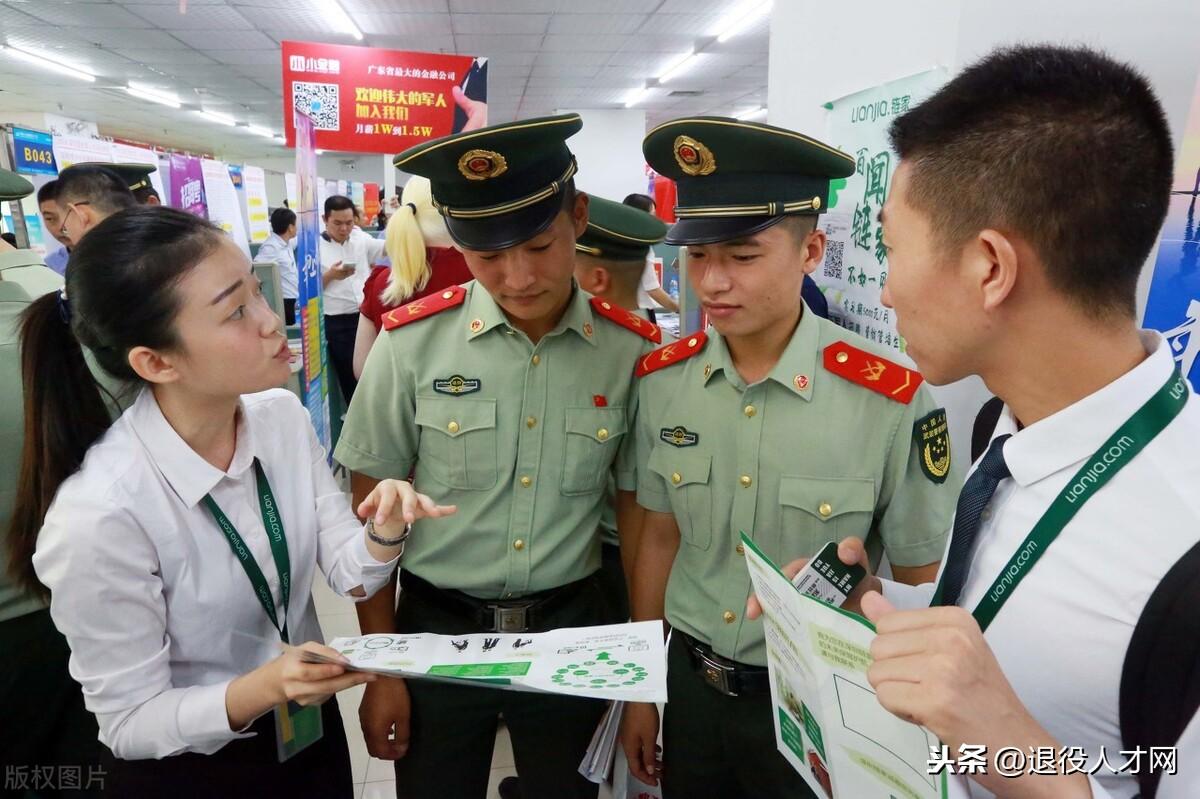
x=14, y=601
x=27, y=269
x=521, y=437
x=795, y=460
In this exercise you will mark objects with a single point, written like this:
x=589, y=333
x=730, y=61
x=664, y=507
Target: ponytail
x=406, y=248
x=65, y=414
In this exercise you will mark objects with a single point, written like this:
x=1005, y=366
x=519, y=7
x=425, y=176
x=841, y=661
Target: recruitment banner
x=855, y=265
x=187, y=185
x=309, y=305
x=255, y=184
x=1173, y=305
x=223, y=206
x=366, y=99
x=370, y=201
x=33, y=152
x=80, y=149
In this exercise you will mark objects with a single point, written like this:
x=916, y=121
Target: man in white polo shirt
x=346, y=262
x=1025, y=273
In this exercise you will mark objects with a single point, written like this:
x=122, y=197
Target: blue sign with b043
x=34, y=152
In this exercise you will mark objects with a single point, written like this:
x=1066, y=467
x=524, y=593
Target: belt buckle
x=717, y=675
x=510, y=620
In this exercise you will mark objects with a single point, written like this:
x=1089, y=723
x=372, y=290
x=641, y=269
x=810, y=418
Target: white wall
x=823, y=51
x=609, y=152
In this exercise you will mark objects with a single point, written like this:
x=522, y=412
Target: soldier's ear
x=579, y=214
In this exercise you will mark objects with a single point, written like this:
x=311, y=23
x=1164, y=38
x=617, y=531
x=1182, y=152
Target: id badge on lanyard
x=296, y=727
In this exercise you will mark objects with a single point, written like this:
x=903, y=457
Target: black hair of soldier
x=642, y=202
x=338, y=202
x=1066, y=147
x=123, y=290
x=100, y=187
x=48, y=192
x=143, y=195
x=281, y=220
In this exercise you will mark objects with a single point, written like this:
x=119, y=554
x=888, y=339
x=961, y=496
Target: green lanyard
x=279, y=549
x=1121, y=448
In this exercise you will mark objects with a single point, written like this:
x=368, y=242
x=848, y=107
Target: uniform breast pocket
x=828, y=509
x=458, y=441
x=687, y=477
x=592, y=438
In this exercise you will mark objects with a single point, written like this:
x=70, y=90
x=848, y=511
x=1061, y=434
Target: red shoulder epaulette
x=627, y=319
x=671, y=354
x=870, y=371
x=426, y=306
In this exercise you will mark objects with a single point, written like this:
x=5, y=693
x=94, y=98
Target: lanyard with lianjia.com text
x=279, y=549
x=1121, y=448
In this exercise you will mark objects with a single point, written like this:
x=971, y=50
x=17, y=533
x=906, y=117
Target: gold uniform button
x=526, y=481
x=741, y=550
x=452, y=427
x=841, y=357
x=745, y=481
x=749, y=410
x=537, y=359
x=602, y=434
x=518, y=545
x=676, y=478
x=530, y=422
x=826, y=510
x=729, y=617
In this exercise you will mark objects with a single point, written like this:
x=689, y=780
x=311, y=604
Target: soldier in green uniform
x=778, y=424
x=512, y=398
x=609, y=259
x=46, y=725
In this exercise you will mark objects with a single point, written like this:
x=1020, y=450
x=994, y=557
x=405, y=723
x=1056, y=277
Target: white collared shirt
x=280, y=251
x=1062, y=635
x=345, y=296
x=159, y=614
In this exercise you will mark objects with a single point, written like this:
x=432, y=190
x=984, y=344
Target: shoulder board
x=671, y=354
x=627, y=319
x=868, y=370
x=426, y=306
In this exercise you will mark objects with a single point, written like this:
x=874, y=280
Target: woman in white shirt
x=152, y=533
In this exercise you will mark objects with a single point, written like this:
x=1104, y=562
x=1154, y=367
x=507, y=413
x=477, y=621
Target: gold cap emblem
x=693, y=157
x=482, y=164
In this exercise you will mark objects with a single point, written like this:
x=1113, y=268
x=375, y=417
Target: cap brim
x=714, y=229
x=506, y=230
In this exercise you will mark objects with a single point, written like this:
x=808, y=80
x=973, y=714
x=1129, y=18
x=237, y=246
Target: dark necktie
x=974, y=498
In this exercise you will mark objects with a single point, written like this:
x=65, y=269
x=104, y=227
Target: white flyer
x=626, y=662
x=828, y=722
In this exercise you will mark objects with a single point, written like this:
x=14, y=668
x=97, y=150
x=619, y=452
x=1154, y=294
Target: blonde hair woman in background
x=424, y=261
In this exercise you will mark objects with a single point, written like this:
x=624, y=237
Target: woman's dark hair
x=120, y=294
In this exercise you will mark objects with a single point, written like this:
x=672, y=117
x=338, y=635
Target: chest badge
x=457, y=385
x=679, y=436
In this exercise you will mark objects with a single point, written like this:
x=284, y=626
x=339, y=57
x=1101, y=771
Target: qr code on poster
x=320, y=100
x=833, y=259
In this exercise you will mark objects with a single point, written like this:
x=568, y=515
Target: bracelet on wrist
x=387, y=542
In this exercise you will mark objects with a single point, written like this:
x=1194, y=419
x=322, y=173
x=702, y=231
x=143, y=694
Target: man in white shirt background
x=1026, y=275
x=280, y=247
x=346, y=263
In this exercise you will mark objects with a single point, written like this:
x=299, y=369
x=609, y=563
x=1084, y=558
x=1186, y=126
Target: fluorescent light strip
x=258, y=130
x=636, y=96
x=47, y=63
x=679, y=67
x=153, y=96
x=337, y=17
x=738, y=24
x=753, y=113
x=220, y=119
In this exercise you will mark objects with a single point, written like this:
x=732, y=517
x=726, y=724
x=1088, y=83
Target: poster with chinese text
x=187, y=185
x=309, y=302
x=855, y=265
x=1173, y=305
x=366, y=99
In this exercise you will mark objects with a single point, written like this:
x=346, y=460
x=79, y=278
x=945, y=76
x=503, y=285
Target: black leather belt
x=723, y=675
x=493, y=615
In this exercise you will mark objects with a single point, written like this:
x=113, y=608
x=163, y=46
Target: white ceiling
x=224, y=54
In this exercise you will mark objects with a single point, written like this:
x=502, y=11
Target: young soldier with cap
x=777, y=424
x=1083, y=509
x=511, y=398
x=89, y=193
x=610, y=257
